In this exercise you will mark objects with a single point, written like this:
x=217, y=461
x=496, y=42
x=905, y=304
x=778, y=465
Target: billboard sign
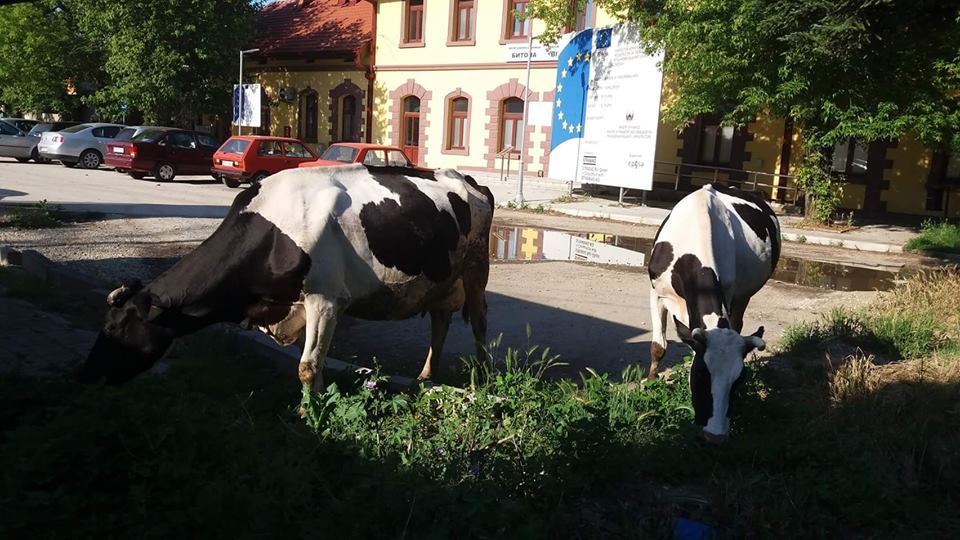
x=606, y=109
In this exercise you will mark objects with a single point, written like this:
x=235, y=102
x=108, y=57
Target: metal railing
x=505, y=155
x=705, y=174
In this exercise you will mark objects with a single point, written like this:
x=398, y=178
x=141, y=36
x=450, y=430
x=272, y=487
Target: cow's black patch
x=402, y=171
x=760, y=218
x=700, y=390
x=461, y=209
x=660, y=228
x=762, y=224
x=699, y=287
x=660, y=259
x=412, y=236
x=482, y=189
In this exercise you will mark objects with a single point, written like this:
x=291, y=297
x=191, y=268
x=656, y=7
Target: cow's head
x=717, y=365
x=129, y=343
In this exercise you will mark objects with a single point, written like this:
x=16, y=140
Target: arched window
x=457, y=124
x=511, y=123
x=411, y=127
x=348, y=119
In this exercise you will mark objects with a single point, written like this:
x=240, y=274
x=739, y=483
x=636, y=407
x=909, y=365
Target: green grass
x=936, y=237
x=215, y=448
x=35, y=216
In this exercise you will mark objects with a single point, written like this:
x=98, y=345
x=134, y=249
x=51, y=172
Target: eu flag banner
x=251, y=105
x=570, y=102
x=606, y=109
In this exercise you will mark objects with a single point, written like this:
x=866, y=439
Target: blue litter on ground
x=688, y=529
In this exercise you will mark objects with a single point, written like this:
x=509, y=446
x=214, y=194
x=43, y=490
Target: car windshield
x=148, y=135
x=24, y=125
x=234, y=146
x=74, y=129
x=343, y=154
x=125, y=134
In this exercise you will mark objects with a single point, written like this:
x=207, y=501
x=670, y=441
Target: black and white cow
x=714, y=251
x=305, y=247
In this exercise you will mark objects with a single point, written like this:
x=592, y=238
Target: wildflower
x=371, y=384
x=440, y=451
x=474, y=469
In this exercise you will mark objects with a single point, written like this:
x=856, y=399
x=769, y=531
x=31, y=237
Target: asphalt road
x=104, y=190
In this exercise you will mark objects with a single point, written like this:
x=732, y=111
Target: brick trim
x=447, y=101
x=494, y=98
x=346, y=88
x=410, y=88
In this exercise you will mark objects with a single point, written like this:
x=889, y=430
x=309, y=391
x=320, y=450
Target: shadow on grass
x=214, y=447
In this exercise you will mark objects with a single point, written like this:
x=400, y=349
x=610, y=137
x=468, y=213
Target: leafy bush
x=937, y=237
x=823, y=192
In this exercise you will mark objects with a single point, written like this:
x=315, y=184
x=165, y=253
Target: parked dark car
x=163, y=153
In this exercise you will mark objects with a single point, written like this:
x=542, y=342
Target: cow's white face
x=718, y=363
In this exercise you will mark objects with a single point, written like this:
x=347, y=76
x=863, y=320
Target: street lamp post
x=240, y=91
x=523, y=132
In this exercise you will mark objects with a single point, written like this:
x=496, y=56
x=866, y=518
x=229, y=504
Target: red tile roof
x=322, y=27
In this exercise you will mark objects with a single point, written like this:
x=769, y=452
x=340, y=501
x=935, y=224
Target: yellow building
x=445, y=80
x=315, y=68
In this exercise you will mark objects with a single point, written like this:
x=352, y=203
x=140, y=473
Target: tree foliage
x=864, y=69
x=168, y=59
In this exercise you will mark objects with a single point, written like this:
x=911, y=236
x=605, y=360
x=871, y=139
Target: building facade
x=446, y=80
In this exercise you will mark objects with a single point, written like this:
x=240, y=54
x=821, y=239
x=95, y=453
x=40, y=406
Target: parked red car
x=253, y=158
x=163, y=153
x=368, y=154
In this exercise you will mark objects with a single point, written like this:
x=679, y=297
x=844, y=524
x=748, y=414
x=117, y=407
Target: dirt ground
x=592, y=316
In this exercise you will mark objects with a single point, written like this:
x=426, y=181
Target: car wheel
x=257, y=178
x=230, y=182
x=137, y=175
x=35, y=156
x=90, y=159
x=69, y=164
x=23, y=159
x=165, y=172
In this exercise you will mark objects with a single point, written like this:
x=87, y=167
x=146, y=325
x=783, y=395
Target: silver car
x=14, y=142
x=23, y=124
x=84, y=144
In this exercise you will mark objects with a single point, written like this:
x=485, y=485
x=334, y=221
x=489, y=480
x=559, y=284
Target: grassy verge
x=936, y=237
x=214, y=447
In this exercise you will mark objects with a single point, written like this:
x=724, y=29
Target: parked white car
x=84, y=144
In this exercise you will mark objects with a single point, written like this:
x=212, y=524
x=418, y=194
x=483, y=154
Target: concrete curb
x=789, y=235
x=90, y=289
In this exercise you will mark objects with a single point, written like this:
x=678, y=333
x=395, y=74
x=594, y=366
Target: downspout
x=370, y=71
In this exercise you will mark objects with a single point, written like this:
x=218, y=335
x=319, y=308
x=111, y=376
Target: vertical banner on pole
x=607, y=109
x=251, y=105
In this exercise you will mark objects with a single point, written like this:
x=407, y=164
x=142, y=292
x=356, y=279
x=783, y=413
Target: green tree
x=167, y=59
x=841, y=69
x=170, y=59
x=46, y=65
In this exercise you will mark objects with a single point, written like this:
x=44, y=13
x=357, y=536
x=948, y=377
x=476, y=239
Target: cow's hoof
x=715, y=440
x=307, y=373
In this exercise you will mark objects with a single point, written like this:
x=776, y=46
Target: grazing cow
x=305, y=247
x=714, y=251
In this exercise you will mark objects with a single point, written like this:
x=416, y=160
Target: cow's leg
x=738, y=306
x=321, y=320
x=658, y=341
x=476, y=306
x=439, y=324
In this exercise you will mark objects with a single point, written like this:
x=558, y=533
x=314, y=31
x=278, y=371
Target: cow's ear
x=699, y=335
x=754, y=341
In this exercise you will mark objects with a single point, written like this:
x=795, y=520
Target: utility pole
x=240, y=91
x=526, y=107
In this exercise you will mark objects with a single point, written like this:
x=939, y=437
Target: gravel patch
x=116, y=249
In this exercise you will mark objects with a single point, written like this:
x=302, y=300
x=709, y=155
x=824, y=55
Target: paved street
x=109, y=192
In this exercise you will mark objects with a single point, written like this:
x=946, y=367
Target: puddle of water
x=535, y=244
